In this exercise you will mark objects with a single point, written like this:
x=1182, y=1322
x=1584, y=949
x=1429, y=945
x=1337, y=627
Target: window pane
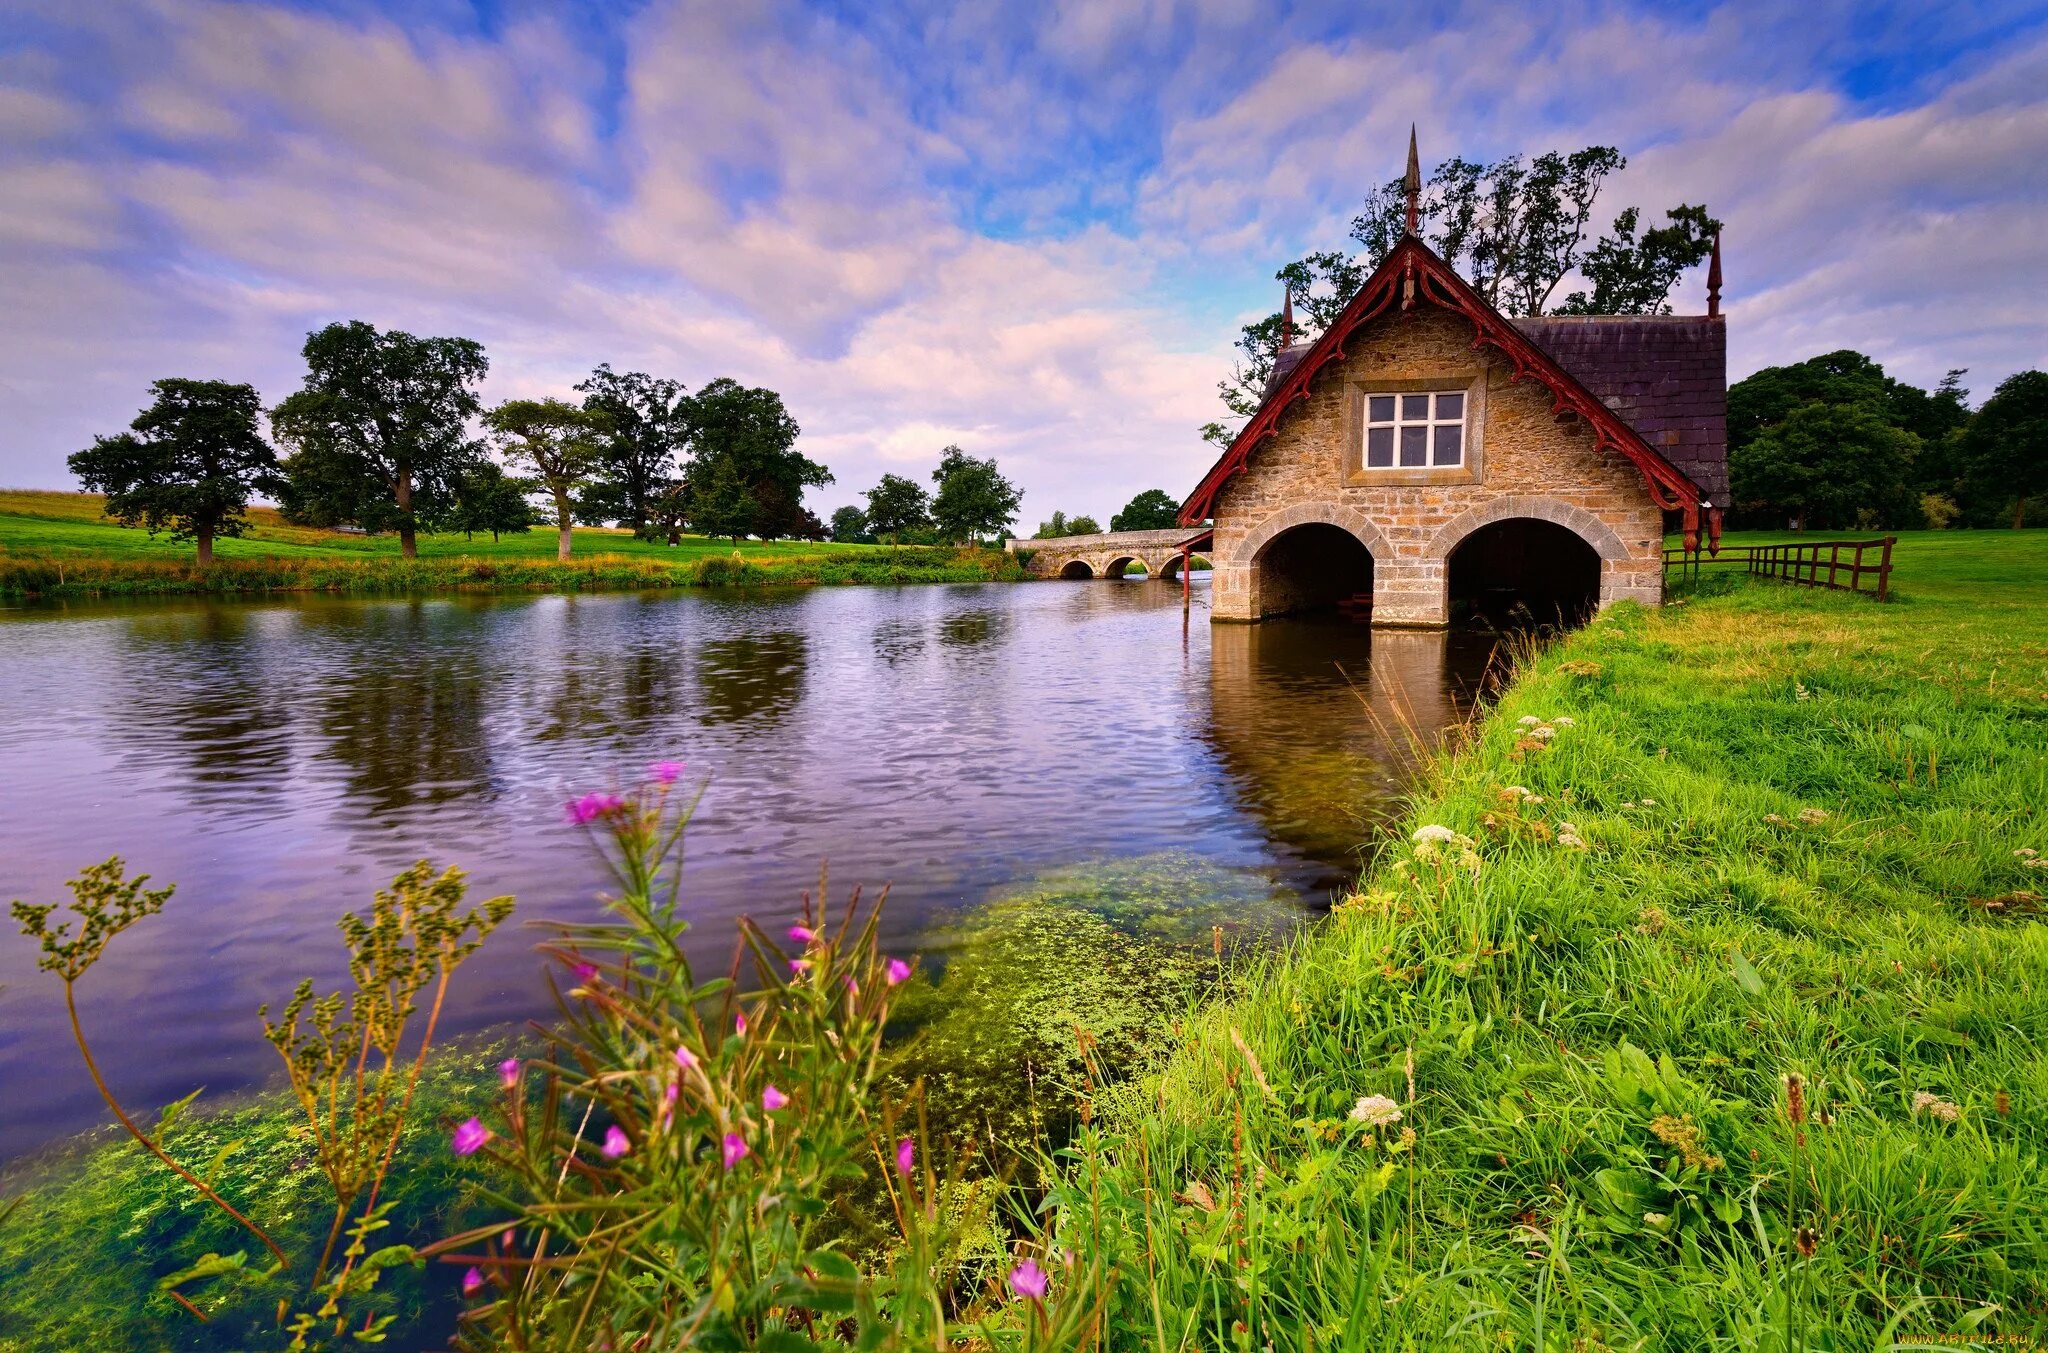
x=1415, y=406
x=1451, y=406
x=1380, y=408
x=1415, y=446
x=1450, y=444
x=1379, y=446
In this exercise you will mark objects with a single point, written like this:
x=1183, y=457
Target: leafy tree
x=1769, y=396
x=745, y=470
x=974, y=499
x=488, y=499
x=562, y=445
x=1515, y=230
x=1053, y=528
x=189, y=462
x=2005, y=447
x=777, y=516
x=897, y=507
x=647, y=428
x=380, y=432
x=1084, y=525
x=1826, y=464
x=850, y=526
x=1152, y=510
x=669, y=511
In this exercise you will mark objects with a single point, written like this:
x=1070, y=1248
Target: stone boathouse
x=1426, y=455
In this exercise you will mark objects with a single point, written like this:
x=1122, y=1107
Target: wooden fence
x=1838, y=564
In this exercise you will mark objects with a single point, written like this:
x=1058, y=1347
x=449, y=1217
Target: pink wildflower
x=739, y=1023
x=898, y=971
x=802, y=934
x=773, y=1099
x=906, y=1156
x=735, y=1149
x=508, y=1072
x=585, y=972
x=1028, y=1280
x=799, y=966
x=616, y=1143
x=468, y=1137
x=685, y=1058
x=591, y=807
x=472, y=1282
x=665, y=772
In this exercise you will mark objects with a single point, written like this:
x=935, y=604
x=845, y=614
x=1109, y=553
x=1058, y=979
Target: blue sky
x=1029, y=228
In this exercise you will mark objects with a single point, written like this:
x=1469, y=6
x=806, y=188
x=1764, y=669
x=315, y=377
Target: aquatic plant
x=680, y=1166
x=350, y=1071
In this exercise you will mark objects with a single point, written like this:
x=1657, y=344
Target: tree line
x=1834, y=443
x=388, y=434
x=972, y=501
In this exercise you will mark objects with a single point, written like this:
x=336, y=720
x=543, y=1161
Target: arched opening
x=1170, y=569
x=1117, y=567
x=1314, y=567
x=1077, y=568
x=1524, y=572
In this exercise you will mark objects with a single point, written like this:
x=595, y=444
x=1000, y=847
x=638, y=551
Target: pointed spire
x=1286, y=317
x=1414, y=184
x=1714, y=279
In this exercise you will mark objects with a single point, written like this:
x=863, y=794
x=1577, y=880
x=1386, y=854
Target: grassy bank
x=1798, y=826
x=58, y=545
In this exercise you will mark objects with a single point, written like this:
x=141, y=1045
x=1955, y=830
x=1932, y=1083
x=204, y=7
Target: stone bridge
x=1109, y=555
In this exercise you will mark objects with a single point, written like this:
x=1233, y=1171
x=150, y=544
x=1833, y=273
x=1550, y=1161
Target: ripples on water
x=279, y=760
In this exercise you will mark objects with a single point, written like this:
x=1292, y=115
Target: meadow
x=59, y=545
x=1697, y=1006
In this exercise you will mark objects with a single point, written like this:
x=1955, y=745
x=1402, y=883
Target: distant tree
x=380, y=432
x=1826, y=465
x=897, y=507
x=850, y=526
x=189, y=462
x=1083, y=525
x=777, y=516
x=974, y=499
x=1769, y=396
x=1514, y=229
x=2005, y=447
x=488, y=499
x=745, y=469
x=562, y=446
x=647, y=428
x=1152, y=510
x=1053, y=528
x=669, y=511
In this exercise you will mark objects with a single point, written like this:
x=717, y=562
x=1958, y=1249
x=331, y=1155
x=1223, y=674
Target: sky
x=1031, y=229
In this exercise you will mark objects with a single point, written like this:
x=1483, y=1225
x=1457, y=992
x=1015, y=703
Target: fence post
x=1884, y=570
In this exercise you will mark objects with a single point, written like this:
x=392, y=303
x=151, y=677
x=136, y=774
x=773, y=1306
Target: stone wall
x=1106, y=554
x=1521, y=462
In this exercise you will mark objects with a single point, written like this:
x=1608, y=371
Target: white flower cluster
x=2031, y=858
x=1935, y=1106
x=1518, y=794
x=1568, y=837
x=1375, y=1111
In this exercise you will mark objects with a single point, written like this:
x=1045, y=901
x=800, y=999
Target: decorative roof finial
x=1286, y=317
x=1714, y=279
x=1414, y=184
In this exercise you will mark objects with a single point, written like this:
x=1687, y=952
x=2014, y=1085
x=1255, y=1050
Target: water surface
x=280, y=759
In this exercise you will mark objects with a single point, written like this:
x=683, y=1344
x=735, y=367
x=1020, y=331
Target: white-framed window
x=1420, y=431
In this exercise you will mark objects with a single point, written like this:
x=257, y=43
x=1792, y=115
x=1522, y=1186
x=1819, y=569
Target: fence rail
x=1836, y=564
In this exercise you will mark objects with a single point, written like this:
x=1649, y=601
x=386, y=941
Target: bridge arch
x=1312, y=556
x=1077, y=568
x=1529, y=558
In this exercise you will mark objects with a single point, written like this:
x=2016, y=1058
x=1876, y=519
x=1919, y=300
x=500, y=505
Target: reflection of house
x=1425, y=452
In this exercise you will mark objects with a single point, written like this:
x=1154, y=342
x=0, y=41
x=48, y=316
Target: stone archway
x=1076, y=568
x=1621, y=572
x=1327, y=555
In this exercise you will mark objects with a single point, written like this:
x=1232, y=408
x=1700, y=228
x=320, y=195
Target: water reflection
x=281, y=759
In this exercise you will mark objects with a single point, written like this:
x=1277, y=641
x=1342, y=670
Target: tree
x=488, y=499
x=1083, y=525
x=1053, y=528
x=190, y=462
x=562, y=445
x=647, y=429
x=973, y=500
x=1826, y=464
x=380, y=432
x=745, y=471
x=2005, y=447
x=669, y=511
x=850, y=526
x=1152, y=510
x=896, y=507
x=1515, y=231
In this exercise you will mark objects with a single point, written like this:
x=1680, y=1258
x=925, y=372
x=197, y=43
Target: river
x=279, y=759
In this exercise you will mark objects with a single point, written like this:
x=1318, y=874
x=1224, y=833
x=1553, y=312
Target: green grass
x=58, y=544
x=1800, y=812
